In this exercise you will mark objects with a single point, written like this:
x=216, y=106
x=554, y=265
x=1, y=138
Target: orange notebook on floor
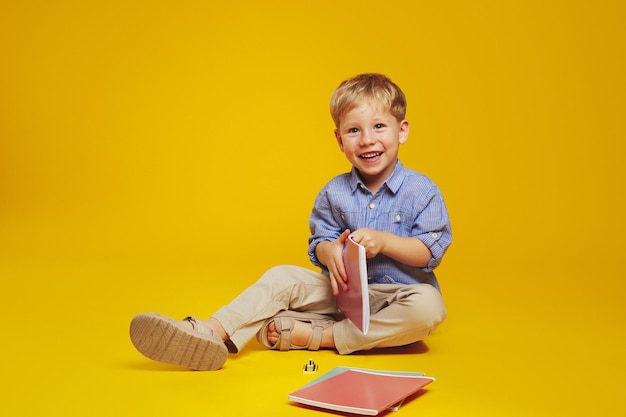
x=355, y=303
x=360, y=391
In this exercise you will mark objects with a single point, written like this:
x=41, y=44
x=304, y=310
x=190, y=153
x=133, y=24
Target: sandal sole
x=161, y=339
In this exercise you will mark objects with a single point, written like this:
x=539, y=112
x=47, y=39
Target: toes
x=272, y=333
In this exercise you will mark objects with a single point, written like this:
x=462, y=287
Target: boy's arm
x=407, y=250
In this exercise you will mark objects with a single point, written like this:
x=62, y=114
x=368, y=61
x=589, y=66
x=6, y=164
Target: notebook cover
x=354, y=303
x=360, y=392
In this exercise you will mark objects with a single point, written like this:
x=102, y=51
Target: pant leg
x=400, y=315
x=280, y=288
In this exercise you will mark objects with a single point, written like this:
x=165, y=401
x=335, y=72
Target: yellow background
x=159, y=156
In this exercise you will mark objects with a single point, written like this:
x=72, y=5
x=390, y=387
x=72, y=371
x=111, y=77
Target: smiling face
x=370, y=138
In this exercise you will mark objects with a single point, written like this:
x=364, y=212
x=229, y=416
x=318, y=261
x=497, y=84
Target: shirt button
x=435, y=235
x=372, y=206
x=398, y=218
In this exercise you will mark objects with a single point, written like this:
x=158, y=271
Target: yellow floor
x=159, y=156
x=67, y=351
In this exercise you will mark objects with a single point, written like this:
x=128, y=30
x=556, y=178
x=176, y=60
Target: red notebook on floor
x=355, y=303
x=360, y=391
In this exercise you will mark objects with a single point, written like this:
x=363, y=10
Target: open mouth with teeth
x=370, y=155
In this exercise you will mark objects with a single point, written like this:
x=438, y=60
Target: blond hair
x=370, y=88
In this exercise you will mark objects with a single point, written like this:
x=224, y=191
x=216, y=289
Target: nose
x=367, y=138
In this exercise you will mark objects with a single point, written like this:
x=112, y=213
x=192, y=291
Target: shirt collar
x=393, y=183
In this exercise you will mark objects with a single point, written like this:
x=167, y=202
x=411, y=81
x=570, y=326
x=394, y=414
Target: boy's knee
x=429, y=308
x=285, y=275
x=276, y=273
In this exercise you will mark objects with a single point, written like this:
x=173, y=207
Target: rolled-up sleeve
x=322, y=226
x=432, y=226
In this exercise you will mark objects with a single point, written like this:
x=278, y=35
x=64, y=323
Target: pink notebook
x=355, y=302
x=360, y=391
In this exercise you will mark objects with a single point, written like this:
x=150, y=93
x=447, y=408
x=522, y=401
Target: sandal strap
x=285, y=333
x=315, y=339
x=198, y=325
x=285, y=322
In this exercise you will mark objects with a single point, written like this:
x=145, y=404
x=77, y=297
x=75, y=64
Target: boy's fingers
x=333, y=285
x=338, y=277
x=335, y=282
x=342, y=273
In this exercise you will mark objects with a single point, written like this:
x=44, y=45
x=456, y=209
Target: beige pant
x=400, y=314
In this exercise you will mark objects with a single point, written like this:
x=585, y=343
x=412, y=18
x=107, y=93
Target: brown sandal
x=285, y=322
x=163, y=339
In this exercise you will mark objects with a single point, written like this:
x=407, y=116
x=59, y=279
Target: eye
x=353, y=130
x=379, y=126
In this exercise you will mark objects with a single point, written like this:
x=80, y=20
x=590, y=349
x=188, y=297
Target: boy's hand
x=331, y=255
x=371, y=239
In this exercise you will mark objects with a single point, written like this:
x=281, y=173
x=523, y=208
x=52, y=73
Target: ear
x=403, y=134
x=339, y=141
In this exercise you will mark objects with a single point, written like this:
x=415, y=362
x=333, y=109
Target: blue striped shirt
x=407, y=204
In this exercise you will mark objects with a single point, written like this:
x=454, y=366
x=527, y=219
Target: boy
x=398, y=215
